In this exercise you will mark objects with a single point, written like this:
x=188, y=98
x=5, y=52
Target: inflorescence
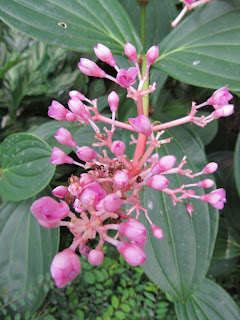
x=94, y=202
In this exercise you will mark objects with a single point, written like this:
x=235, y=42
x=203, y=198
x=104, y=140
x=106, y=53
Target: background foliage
x=202, y=51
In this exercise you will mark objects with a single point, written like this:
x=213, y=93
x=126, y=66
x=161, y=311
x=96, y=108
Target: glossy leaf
x=209, y=302
x=26, y=167
x=75, y=25
x=204, y=49
x=179, y=262
x=237, y=164
x=26, y=251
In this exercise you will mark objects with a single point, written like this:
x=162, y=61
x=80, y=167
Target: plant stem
x=143, y=24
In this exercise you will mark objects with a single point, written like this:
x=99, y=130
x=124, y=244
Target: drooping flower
x=126, y=78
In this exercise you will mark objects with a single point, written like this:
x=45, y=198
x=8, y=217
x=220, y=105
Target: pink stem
x=173, y=123
x=99, y=117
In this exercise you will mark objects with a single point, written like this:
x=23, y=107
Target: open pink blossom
x=216, y=198
x=65, y=267
x=220, y=98
x=126, y=78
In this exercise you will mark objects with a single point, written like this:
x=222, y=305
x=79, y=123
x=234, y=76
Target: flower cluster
x=93, y=203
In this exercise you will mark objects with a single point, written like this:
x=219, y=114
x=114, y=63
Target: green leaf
x=221, y=266
x=179, y=262
x=75, y=25
x=26, y=169
x=237, y=164
x=204, y=50
x=120, y=315
x=115, y=301
x=26, y=251
x=158, y=15
x=89, y=277
x=209, y=302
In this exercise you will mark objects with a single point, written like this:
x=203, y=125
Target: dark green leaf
x=26, y=167
x=26, y=251
x=204, y=49
x=221, y=266
x=115, y=301
x=209, y=302
x=76, y=25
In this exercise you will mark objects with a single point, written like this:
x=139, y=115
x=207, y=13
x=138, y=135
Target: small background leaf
x=26, y=167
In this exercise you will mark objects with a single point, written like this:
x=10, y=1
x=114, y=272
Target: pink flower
x=210, y=168
x=189, y=209
x=113, y=100
x=49, y=224
x=220, y=98
x=152, y=54
x=57, y=111
x=95, y=257
x=112, y=202
x=77, y=94
x=92, y=194
x=121, y=178
x=157, y=182
x=59, y=157
x=207, y=183
x=224, y=111
x=85, y=179
x=63, y=136
x=79, y=109
x=65, y=267
x=216, y=198
x=164, y=164
x=118, y=148
x=104, y=54
x=133, y=230
x=132, y=253
x=49, y=210
x=75, y=189
x=141, y=124
x=60, y=191
x=90, y=68
x=126, y=78
x=130, y=52
x=86, y=153
x=157, y=232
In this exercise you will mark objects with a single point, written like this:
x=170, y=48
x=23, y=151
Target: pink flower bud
x=126, y=78
x=113, y=100
x=63, y=136
x=90, y=68
x=77, y=94
x=85, y=179
x=57, y=111
x=157, y=232
x=112, y=202
x=157, y=182
x=140, y=243
x=84, y=250
x=75, y=189
x=121, y=178
x=220, y=98
x=79, y=109
x=189, y=209
x=49, y=210
x=60, y=191
x=49, y=224
x=104, y=54
x=86, y=153
x=207, y=183
x=224, y=111
x=118, y=148
x=152, y=54
x=164, y=164
x=130, y=52
x=141, y=124
x=216, y=198
x=133, y=230
x=210, y=168
x=59, y=157
x=71, y=117
x=95, y=257
x=153, y=158
x=132, y=253
x=65, y=267
x=92, y=194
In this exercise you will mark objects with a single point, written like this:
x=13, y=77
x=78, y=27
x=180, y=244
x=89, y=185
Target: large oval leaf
x=237, y=164
x=26, y=251
x=204, y=50
x=76, y=25
x=26, y=169
x=209, y=302
x=179, y=261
